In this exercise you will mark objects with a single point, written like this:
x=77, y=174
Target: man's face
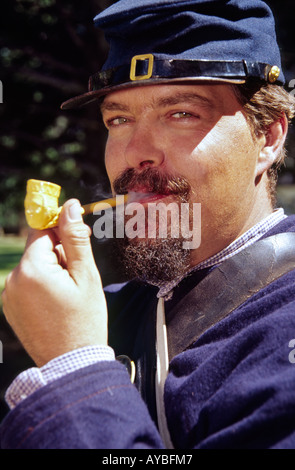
x=197, y=132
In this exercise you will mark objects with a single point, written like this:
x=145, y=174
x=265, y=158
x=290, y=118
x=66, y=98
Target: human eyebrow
x=185, y=98
x=113, y=106
x=179, y=98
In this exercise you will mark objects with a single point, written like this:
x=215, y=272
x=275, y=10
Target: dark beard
x=156, y=262
x=160, y=260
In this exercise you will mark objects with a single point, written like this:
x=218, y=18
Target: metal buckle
x=134, y=60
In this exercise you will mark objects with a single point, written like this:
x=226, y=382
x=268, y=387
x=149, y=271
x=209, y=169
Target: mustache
x=153, y=181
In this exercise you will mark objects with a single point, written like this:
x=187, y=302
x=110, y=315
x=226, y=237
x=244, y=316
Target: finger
x=61, y=256
x=39, y=243
x=75, y=239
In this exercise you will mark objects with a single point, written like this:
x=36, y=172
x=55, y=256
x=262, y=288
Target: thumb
x=75, y=239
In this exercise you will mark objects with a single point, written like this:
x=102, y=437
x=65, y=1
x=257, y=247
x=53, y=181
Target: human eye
x=182, y=115
x=116, y=121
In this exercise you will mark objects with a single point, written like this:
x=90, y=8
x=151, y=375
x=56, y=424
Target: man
x=192, y=99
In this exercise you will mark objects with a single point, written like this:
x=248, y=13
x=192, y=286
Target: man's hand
x=53, y=299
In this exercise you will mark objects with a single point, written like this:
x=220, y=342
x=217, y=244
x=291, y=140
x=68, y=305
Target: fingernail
x=75, y=211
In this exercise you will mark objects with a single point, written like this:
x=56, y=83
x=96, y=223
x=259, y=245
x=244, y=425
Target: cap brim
x=93, y=96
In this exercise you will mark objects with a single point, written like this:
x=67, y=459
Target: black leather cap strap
x=178, y=69
x=145, y=69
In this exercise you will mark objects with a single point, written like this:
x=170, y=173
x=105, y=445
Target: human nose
x=144, y=148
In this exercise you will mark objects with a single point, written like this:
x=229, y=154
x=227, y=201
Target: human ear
x=272, y=143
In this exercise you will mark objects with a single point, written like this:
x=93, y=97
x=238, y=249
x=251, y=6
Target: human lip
x=144, y=197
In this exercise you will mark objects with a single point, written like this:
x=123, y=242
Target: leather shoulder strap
x=227, y=287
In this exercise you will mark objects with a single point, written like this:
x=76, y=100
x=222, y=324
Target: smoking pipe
x=41, y=204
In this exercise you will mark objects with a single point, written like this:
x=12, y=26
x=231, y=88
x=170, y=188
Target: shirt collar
x=245, y=240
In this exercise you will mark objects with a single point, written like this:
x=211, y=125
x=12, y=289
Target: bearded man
x=192, y=97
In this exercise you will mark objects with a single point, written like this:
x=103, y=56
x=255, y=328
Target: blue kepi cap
x=164, y=41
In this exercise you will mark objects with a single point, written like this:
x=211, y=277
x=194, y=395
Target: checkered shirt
x=34, y=378
x=245, y=240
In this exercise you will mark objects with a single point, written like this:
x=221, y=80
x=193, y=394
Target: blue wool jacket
x=235, y=388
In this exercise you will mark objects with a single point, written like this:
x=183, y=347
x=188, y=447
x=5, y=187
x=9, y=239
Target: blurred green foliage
x=48, y=49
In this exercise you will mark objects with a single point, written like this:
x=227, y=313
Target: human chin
x=154, y=261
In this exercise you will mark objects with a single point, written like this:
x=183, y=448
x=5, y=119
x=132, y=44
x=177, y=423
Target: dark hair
x=265, y=104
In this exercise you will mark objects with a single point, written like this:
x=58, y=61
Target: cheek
x=227, y=153
x=108, y=159
x=114, y=162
